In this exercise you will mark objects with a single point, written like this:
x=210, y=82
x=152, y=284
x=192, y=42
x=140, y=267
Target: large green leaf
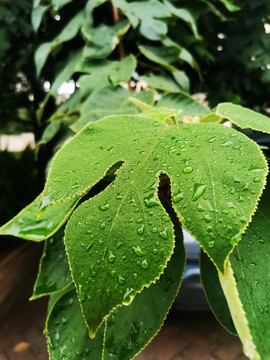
x=27, y=226
x=121, y=337
x=67, y=33
x=215, y=187
x=246, y=284
x=214, y=293
x=54, y=274
x=244, y=118
x=148, y=14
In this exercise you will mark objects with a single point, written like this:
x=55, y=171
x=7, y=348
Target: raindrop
x=155, y=251
x=198, y=191
x=256, y=179
x=207, y=218
x=187, y=169
x=200, y=208
x=111, y=257
x=178, y=197
x=212, y=139
x=151, y=200
x=81, y=293
x=154, y=230
x=211, y=243
x=165, y=218
x=225, y=212
x=121, y=280
x=139, y=221
x=113, y=272
x=138, y=251
x=145, y=264
x=104, y=207
x=163, y=234
x=140, y=230
x=236, y=179
x=102, y=226
x=135, y=276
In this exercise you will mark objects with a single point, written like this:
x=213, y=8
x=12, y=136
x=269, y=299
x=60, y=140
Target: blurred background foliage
x=63, y=59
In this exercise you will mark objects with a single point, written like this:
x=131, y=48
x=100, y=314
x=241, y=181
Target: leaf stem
x=121, y=49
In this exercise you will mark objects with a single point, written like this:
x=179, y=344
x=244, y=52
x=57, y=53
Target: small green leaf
x=162, y=114
x=123, y=70
x=245, y=283
x=58, y=4
x=37, y=14
x=165, y=55
x=148, y=14
x=27, y=226
x=183, y=14
x=49, y=132
x=244, y=118
x=162, y=82
x=183, y=102
x=120, y=337
x=54, y=274
x=102, y=40
x=214, y=293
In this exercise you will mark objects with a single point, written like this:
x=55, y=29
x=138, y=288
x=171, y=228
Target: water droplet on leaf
x=198, y=191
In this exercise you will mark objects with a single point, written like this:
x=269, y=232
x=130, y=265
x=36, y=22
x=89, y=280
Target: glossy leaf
x=54, y=274
x=27, y=226
x=246, y=284
x=121, y=336
x=148, y=14
x=214, y=293
x=243, y=117
x=210, y=176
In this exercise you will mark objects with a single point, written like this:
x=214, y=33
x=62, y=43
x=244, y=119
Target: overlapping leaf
x=246, y=284
x=54, y=274
x=121, y=336
x=214, y=293
x=27, y=226
x=244, y=118
x=215, y=187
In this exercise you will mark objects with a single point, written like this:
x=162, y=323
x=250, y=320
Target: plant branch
x=121, y=49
